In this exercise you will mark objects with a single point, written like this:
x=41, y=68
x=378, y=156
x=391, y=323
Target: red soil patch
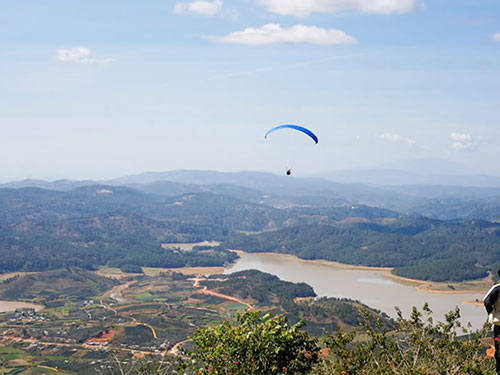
x=139, y=355
x=104, y=336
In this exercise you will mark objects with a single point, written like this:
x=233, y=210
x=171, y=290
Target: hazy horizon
x=425, y=167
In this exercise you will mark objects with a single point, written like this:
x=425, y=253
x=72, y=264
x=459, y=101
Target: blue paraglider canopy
x=294, y=127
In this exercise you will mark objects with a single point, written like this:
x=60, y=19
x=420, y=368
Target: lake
x=372, y=287
x=13, y=305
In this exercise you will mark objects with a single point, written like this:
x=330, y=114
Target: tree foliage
x=259, y=344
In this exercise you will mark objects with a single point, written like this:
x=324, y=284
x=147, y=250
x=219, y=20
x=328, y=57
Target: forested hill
x=99, y=225
x=119, y=226
x=416, y=247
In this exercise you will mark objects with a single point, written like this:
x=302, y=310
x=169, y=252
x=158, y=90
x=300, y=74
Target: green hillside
x=46, y=286
x=121, y=227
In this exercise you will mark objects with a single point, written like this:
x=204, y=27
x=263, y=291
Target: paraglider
x=298, y=128
x=294, y=127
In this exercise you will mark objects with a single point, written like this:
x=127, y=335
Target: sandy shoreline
x=6, y=306
x=115, y=273
x=436, y=287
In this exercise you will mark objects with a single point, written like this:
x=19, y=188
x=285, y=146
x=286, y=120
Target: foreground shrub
x=416, y=347
x=258, y=345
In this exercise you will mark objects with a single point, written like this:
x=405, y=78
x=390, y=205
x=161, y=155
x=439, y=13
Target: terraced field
x=137, y=316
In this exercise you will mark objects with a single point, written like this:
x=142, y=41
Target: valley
x=124, y=273
x=138, y=315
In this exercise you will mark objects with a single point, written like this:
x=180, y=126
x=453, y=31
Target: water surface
x=372, y=287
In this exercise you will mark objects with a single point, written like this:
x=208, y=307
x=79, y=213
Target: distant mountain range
x=426, y=171
x=430, y=166
x=384, y=177
x=469, y=197
x=58, y=185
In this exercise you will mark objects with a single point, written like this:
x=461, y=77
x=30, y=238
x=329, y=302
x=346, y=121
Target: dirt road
x=116, y=294
x=205, y=290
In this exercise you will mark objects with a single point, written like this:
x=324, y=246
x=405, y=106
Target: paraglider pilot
x=492, y=303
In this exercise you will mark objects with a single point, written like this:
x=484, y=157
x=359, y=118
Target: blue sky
x=98, y=89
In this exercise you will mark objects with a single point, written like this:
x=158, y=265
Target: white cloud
x=394, y=138
x=496, y=36
x=80, y=55
x=302, y=8
x=462, y=142
x=275, y=34
x=202, y=7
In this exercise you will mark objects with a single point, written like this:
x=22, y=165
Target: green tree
x=259, y=344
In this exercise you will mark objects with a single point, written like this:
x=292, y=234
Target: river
x=372, y=287
x=13, y=305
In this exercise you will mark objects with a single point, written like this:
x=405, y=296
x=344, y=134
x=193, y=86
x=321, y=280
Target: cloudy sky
x=99, y=89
